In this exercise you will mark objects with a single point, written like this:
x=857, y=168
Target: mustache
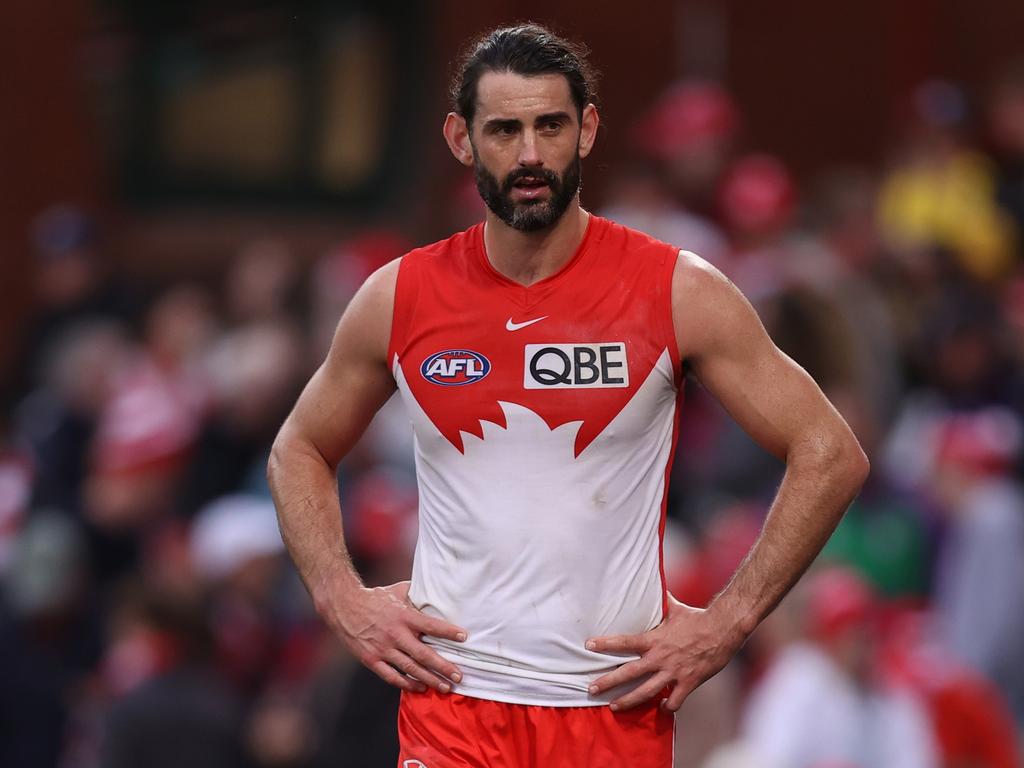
x=547, y=176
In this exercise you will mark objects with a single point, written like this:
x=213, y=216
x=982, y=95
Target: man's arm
x=783, y=410
x=379, y=626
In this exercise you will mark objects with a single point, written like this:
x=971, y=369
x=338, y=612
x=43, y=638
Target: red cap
x=985, y=442
x=687, y=113
x=838, y=599
x=757, y=193
x=383, y=516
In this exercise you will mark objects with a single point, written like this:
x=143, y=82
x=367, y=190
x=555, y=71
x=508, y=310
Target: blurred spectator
x=1006, y=130
x=262, y=283
x=979, y=596
x=152, y=419
x=829, y=681
x=57, y=420
x=971, y=722
x=237, y=548
x=841, y=257
x=254, y=373
x=962, y=365
x=49, y=638
x=941, y=193
x=757, y=200
x=380, y=512
x=691, y=131
x=173, y=710
x=71, y=284
x=236, y=538
x=685, y=141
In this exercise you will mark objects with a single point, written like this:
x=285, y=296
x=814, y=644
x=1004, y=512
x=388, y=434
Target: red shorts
x=453, y=731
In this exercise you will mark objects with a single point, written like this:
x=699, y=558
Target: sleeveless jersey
x=545, y=423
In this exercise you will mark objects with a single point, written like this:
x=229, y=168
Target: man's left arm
x=723, y=342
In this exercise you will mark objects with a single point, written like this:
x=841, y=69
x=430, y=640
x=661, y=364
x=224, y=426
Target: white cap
x=231, y=531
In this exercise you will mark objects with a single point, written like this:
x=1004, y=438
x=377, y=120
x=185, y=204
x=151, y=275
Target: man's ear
x=456, y=133
x=588, y=129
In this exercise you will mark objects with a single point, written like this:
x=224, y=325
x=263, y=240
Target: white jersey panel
x=533, y=550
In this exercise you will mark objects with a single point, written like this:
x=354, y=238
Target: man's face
x=525, y=139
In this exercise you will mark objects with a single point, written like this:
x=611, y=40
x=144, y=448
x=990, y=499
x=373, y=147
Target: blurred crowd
x=149, y=615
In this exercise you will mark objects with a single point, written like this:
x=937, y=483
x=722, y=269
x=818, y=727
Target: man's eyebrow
x=553, y=117
x=497, y=123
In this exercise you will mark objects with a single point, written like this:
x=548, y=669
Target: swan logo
x=413, y=764
x=455, y=367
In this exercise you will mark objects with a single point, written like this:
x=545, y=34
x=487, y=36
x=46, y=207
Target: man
x=830, y=676
x=540, y=356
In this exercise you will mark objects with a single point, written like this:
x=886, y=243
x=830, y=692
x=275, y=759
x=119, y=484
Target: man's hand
x=690, y=646
x=383, y=629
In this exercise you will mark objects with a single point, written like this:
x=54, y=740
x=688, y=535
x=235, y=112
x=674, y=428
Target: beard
x=528, y=215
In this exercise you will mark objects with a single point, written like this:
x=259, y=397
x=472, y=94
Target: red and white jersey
x=545, y=421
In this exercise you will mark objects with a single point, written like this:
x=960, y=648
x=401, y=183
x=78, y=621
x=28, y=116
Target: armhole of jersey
x=670, y=326
x=399, y=315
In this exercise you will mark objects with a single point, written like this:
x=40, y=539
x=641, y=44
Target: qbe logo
x=576, y=366
x=455, y=367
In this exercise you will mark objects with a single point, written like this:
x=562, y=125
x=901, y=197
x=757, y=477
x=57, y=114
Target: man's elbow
x=861, y=468
x=282, y=451
x=275, y=459
x=850, y=464
x=293, y=451
x=835, y=456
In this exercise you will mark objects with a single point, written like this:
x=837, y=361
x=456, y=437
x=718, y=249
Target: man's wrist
x=735, y=619
x=336, y=589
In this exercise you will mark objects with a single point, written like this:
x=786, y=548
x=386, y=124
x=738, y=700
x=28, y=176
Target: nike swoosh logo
x=510, y=326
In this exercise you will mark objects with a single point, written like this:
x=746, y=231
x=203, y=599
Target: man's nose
x=529, y=151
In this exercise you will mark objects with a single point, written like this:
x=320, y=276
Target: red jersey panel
x=545, y=422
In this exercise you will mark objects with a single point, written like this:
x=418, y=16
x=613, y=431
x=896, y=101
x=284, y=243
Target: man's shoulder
x=693, y=272
x=692, y=276
x=457, y=244
x=635, y=240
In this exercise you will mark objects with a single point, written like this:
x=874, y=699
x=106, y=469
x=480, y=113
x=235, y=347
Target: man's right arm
x=379, y=626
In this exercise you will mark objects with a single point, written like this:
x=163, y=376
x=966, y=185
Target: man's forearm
x=305, y=491
x=818, y=486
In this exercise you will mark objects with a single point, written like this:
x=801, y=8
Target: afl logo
x=455, y=367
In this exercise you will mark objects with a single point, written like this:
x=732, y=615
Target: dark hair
x=524, y=49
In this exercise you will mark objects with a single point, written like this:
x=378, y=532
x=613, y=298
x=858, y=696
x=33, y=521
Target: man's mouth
x=529, y=188
x=529, y=182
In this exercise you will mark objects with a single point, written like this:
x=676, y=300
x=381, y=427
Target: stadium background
x=191, y=192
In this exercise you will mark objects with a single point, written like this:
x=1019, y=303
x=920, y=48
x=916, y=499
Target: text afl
x=455, y=367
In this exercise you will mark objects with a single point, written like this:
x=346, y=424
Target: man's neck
x=528, y=257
